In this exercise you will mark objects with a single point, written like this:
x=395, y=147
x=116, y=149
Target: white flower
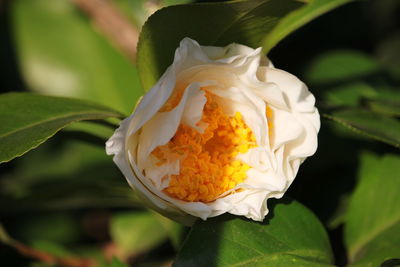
x=221, y=131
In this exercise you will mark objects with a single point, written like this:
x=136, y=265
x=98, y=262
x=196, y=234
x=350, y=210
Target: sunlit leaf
x=28, y=120
x=372, y=231
x=116, y=263
x=51, y=247
x=298, y=18
x=139, y=10
x=348, y=94
x=172, y=228
x=62, y=54
x=254, y=23
x=221, y=23
x=137, y=232
x=290, y=236
x=339, y=66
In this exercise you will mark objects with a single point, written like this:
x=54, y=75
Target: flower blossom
x=222, y=131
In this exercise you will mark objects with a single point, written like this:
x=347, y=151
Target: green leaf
x=51, y=247
x=172, y=228
x=339, y=216
x=340, y=66
x=27, y=188
x=116, y=263
x=28, y=120
x=61, y=228
x=372, y=231
x=137, y=232
x=60, y=53
x=388, y=51
x=298, y=18
x=254, y=23
x=387, y=107
x=379, y=127
x=221, y=23
x=348, y=94
x=290, y=236
x=139, y=10
x=4, y=237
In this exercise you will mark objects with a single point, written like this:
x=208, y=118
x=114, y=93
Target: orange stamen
x=208, y=166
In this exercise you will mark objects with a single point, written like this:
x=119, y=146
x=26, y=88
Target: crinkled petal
x=116, y=146
x=244, y=81
x=156, y=132
x=300, y=99
x=194, y=111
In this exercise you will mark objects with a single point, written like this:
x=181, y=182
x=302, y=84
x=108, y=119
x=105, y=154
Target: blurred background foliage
x=67, y=200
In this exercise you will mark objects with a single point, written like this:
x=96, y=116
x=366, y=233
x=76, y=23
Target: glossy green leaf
x=372, y=231
x=298, y=18
x=379, y=127
x=290, y=236
x=254, y=23
x=137, y=232
x=139, y=10
x=221, y=23
x=61, y=54
x=340, y=66
x=28, y=120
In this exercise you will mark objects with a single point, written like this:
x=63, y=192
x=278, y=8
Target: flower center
x=208, y=164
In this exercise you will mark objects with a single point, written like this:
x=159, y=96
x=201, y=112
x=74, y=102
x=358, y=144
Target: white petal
x=194, y=111
x=300, y=99
x=116, y=146
x=258, y=158
x=152, y=101
x=270, y=92
x=159, y=174
x=253, y=112
x=223, y=53
x=156, y=132
x=285, y=128
x=245, y=82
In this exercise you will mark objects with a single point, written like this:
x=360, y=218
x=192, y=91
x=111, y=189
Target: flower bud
x=221, y=131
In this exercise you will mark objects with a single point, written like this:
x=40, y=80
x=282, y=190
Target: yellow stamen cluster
x=208, y=165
